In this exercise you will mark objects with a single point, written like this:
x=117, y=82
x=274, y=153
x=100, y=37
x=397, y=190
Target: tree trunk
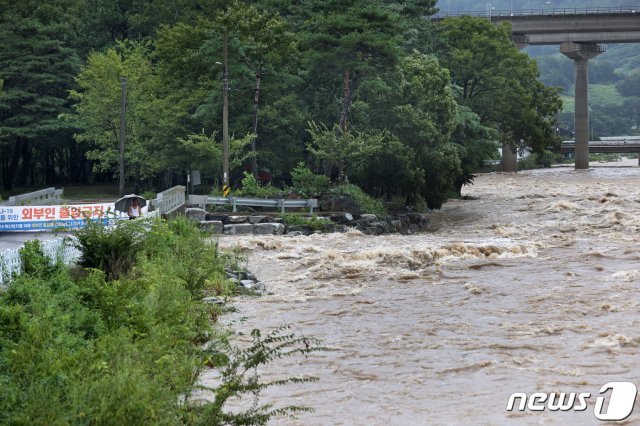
x=26, y=163
x=256, y=99
x=13, y=165
x=348, y=88
x=137, y=184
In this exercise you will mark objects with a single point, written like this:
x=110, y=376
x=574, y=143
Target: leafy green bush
x=367, y=203
x=149, y=195
x=314, y=223
x=111, y=249
x=84, y=349
x=605, y=157
x=307, y=183
x=34, y=261
x=252, y=188
x=240, y=376
x=536, y=161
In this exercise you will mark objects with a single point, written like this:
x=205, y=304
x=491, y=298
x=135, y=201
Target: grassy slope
x=599, y=94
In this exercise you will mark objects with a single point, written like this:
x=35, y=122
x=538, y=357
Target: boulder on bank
x=258, y=219
x=238, y=229
x=268, y=229
x=233, y=224
x=338, y=203
x=342, y=218
x=195, y=214
x=238, y=219
x=299, y=229
x=224, y=218
x=212, y=226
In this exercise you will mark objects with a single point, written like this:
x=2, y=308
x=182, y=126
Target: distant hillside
x=611, y=113
x=599, y=94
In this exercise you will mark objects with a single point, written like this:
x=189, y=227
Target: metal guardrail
x=234, y=202
x=41, y=197
x=490, y=13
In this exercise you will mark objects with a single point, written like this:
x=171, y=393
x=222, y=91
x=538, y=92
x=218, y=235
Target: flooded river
x=531, y=286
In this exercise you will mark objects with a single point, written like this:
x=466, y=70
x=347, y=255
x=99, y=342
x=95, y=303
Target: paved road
x=14, y=240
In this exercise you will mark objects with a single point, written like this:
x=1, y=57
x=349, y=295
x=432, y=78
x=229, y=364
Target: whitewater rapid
x=531, y=285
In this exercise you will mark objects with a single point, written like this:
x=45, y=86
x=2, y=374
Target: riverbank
x=122, y=336
x=530, y=286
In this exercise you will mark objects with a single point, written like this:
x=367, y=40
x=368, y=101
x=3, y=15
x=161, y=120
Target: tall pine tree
x=37, y=68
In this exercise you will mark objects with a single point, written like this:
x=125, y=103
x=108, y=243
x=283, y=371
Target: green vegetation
x=122, y=340
x=365, y=92
x=606, y=158
x=308, y=184
x=366, y=203
x=252, y=188
x=536, y=161
x=314, y=223
x=604, y=94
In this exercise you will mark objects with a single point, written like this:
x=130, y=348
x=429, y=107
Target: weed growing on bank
x=123, y=337
x=366, y=203
x=314, y=223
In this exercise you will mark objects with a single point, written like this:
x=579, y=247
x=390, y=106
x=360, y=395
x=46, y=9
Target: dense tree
x=498, y=82
x=630, y=87
x=37, y=68
x=346, y=43
x=265, y=47
x=98, y=106
x=474, y=142
x=382, y=82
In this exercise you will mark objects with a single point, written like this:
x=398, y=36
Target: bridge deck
x=556, y=26
x=609, y=145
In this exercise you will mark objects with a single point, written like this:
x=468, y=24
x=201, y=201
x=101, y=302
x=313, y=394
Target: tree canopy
x=368, y=92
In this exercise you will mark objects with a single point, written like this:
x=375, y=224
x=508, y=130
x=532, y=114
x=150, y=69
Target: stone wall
x=233, y=224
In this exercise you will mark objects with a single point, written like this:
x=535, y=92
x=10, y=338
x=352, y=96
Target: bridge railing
x=59, y=249
x=536, y=12
x=235, y=202
x=41, y=197
x=608, y=142
x=169, y=200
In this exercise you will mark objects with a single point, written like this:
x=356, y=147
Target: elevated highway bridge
x=617, y=144
x=580, y=33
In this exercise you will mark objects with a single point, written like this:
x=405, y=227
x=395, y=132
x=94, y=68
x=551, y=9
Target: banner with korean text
x=39, y=218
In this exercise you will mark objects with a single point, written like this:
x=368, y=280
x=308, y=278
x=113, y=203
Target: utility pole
x=225, y=114
x=123, y=108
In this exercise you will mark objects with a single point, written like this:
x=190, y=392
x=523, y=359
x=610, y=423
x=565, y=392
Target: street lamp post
x=489, y=10
x=122, y=135
x=225, y=113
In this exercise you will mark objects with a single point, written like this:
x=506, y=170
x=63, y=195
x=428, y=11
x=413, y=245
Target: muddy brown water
x=532, y=286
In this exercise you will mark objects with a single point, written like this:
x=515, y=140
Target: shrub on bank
x=308, y=184
x=252, y=188
x=314, y=223
x=367, y=203
x=537, y=161
x=111, y=345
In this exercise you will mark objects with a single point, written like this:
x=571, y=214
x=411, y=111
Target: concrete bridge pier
x=509, y=159
x=580, y=53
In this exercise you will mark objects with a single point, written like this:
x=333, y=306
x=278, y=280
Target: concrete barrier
x=42, y=197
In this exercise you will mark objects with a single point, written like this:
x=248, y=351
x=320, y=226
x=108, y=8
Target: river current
x=532, y=285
